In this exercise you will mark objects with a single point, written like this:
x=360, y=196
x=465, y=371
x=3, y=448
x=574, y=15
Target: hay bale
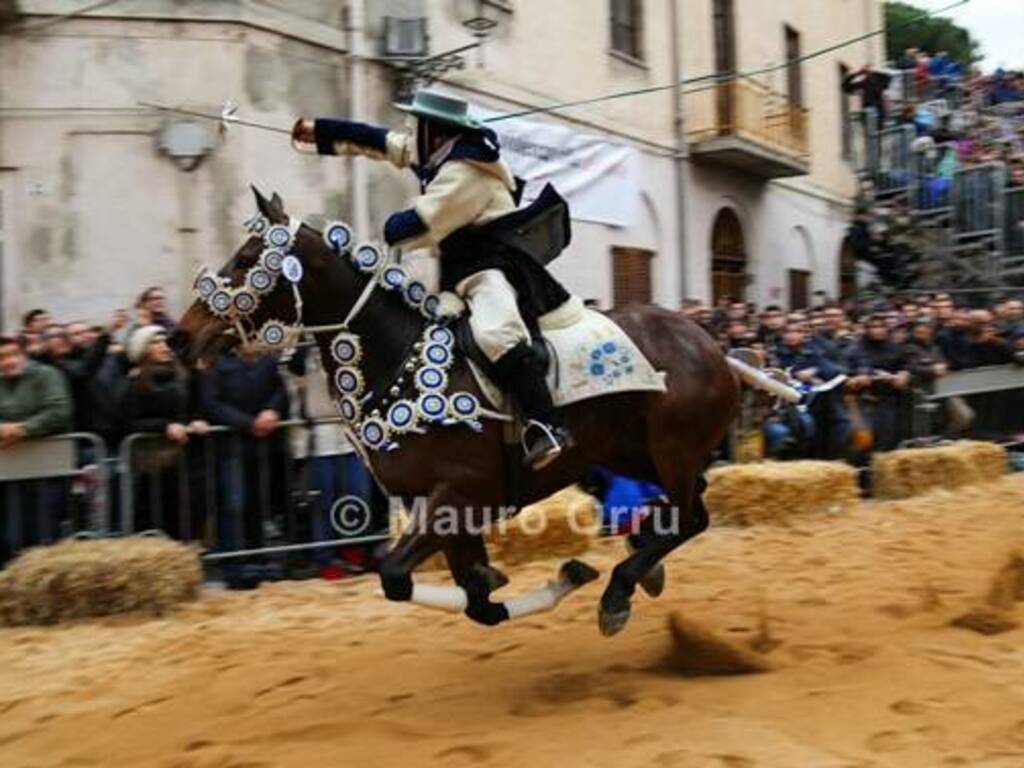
x=772, y=491
x=906, y=473
x=696, y=651
x=81, y=579
x=562, y=525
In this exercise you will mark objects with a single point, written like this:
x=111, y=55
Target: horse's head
x=253, y=297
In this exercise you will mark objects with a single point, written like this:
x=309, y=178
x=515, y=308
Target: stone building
x=101, y=196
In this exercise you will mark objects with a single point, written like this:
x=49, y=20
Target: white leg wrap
x=450, y=599
x=538, y=600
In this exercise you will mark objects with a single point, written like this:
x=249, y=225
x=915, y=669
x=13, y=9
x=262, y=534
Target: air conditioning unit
x=405, y=37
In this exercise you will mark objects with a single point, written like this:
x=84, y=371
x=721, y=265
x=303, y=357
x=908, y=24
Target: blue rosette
x=436, y=354
x=349, y=381
x=393, y=278
x=431, y=308
x=221, y=301
x=338, y=236
x=245, y=302
x=272, y=259
x=441, y=335
x=375, y=433
x=367, y=258
x=346, y=349
x=272, y=334
x=401, y=417
x=348, y=408
x=415, y=293
x=432, y=406
x=430, y=378
x=278, y=236
x=260, y=280
x=206, y=286
x=463, y=406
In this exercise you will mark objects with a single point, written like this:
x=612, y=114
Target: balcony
x=749, y=128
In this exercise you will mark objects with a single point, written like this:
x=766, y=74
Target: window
x=844, y=114
x=725, y=61
x=728, y=258
x=794, y=74
x=627, y=28
x=631, y=275
x=799, y=289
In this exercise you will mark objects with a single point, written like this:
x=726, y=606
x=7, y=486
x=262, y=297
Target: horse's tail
x=759, y=380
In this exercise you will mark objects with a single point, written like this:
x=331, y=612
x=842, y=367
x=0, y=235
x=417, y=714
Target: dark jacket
x=955, y=347
x=871, y=86
x=804, y=358
x=870, y=357
x=921, y=362
x=150, y=405
x=235, y=390
x=79, y=368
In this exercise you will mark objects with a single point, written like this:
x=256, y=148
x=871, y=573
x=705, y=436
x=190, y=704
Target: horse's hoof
x=653, y=583
x=578, y=573
x=612, y=622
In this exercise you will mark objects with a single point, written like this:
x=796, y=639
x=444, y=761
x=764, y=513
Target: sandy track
x=310, y=675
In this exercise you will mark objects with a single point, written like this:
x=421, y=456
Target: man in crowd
x=247, y=393
x=871, y=86
x=879, y=374
x=34, y=402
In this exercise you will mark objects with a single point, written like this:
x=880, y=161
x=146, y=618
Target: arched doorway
x=847, y=271
x=728, y=258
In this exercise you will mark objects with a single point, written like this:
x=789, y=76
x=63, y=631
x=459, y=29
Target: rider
x=467, y=209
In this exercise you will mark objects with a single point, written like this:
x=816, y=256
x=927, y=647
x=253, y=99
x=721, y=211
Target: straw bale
x=563, y=525
x=80, y=579
x=560, y=526
x=771, y=491
x=906, y=473
x=696, y=651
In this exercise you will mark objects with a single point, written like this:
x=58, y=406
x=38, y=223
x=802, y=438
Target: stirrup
x=557, y=440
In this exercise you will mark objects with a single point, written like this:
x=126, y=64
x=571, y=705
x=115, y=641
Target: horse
x=664, y=437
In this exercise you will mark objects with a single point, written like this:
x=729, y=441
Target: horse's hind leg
x=668, y=526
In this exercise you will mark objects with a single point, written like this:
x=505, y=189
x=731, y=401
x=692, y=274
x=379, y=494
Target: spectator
x=151, y=309
x=67, y=351
x=35, y=321
x=335, y=470
x=34, y=402
x=985, y=345
x=773, y=321
x=245, y=391
x=156, y=400
x=879, y=375
x=871, y=86
x=924, y=358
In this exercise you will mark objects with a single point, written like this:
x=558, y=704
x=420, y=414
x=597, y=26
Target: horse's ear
x=262, y=204
x=277, y=203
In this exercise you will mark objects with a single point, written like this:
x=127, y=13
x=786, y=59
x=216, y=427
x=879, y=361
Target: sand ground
x=867, y=670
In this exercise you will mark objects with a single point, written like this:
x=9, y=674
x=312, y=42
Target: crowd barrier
x=995, y=394
x=892, y=155
x=1014, y=213
x=51, y=488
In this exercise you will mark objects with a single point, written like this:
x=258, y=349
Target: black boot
x=545, y=436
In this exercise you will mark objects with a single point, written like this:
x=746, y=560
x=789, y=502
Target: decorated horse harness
x=419, y=397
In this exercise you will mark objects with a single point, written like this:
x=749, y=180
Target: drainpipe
x=357, y=105
x=680, y=155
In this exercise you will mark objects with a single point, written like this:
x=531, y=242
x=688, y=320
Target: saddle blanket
x=590, y=356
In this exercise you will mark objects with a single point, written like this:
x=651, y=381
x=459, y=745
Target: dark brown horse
x=662, y=437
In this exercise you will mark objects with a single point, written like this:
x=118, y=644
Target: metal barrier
x=239, y=495
x=930, y=193
x=1014, y=221
x=978, y=195
x=994, y=393
x=52, y=487
x=892, y=171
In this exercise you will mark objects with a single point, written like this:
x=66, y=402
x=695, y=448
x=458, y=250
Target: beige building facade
x=101, y=197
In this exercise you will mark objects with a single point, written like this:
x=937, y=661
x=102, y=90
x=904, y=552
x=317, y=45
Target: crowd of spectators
x=863, y=363
x=960, y=120
x=195, y=479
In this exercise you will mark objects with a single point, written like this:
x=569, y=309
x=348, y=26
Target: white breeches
x=495, y=320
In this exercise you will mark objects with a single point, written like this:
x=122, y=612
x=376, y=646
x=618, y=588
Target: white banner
x=596, y=176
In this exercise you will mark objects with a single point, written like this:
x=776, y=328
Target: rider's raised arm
x=457, y=196
x=346, y=137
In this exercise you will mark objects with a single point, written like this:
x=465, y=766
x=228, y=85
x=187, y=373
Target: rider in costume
x=467, y=210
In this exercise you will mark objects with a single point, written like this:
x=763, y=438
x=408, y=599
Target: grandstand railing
x=978, y=195
x=1014, y=221
x=892, y=160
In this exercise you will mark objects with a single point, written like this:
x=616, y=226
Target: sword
x=227, y=117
